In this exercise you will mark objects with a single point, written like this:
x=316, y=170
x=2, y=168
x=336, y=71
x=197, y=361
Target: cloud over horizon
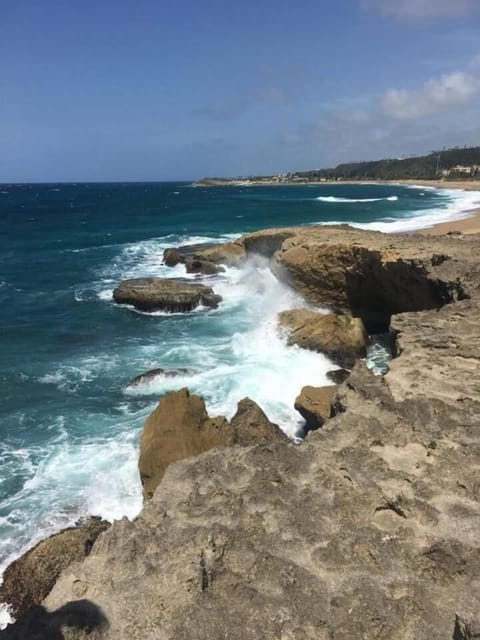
x=438, y=94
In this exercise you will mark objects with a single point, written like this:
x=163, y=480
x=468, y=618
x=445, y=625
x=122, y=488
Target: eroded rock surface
x=369, y=529
x=164, y=294
x=315, y=405
x=178, y=428
x=30, y=578
x=341, y=337
x=373, y=275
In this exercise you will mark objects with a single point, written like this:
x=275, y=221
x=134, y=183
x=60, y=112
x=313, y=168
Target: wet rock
x=199, y=265
x=341, y=337
x=315, y=405
x=338, y=376
x=228, y=253
x=30, y=578
x=163, y=294
x=266, y=242
x=172, y=257
x=154, y=373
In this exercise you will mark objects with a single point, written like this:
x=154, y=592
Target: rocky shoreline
x=369, y=527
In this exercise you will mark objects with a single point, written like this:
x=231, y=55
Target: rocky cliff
x=368, y=528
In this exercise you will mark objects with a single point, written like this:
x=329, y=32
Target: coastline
x=468, y=225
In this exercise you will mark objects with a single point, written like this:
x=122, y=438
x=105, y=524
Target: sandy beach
x=470, y=224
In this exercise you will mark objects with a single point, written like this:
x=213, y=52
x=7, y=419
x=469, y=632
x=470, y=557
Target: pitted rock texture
x=373, y=275
x=342, y=338
x=164, y=294
x=180, y=427
x=29, y=579
x=369, y=529
x=315, y=405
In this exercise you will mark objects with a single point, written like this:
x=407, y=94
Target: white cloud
x=420, y=8
x=439, y=94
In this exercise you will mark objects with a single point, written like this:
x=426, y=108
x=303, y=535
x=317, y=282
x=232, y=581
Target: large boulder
x=164, y=294
x=251, y=426
x=374, y=275
x=341, y=337
x=315, y=405
x=178, y=428
x=228, y=253
x=30, y=578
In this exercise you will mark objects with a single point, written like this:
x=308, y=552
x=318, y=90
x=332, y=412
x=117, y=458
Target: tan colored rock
x=251, y=426
x=178, y=428
x=30, y=578
x=165, y=294
x=200, y=265
x=229, y=253
x=341, y=337
x=315, y=405
x=374, y=275
x=266, y=241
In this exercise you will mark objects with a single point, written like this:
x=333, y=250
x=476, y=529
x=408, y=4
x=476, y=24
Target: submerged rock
x=28, y=580
x=341, y=337
x=154, y=373
x=163, y=294
x=315, y=405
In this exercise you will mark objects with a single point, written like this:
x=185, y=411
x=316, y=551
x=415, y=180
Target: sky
x=111, y=90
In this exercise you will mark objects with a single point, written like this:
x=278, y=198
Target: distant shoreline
x=468, y=185
x=469, y=224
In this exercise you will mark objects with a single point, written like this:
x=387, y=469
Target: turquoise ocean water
x=69, y=424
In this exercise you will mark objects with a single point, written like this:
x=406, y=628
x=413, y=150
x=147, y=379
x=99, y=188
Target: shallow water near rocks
x=69, y=425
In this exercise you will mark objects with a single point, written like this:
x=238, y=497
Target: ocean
x=69, y=422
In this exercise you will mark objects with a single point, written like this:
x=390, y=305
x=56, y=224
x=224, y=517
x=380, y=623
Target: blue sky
x=178, y=89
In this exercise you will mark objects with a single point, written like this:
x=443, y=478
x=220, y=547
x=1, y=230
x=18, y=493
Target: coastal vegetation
x=446, y=164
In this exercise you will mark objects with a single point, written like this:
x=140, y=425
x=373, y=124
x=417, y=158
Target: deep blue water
x=68, y=423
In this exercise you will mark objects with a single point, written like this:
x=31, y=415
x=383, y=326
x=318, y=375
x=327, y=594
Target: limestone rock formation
x=30, y=578
x=200, y=265
x=163, y=294
x=341, y=337
x=369, y=529
x=250, y=425
x=373, y=275
x=265, y=242
x=315, y=404
x=178, y=428
x=228, y=253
